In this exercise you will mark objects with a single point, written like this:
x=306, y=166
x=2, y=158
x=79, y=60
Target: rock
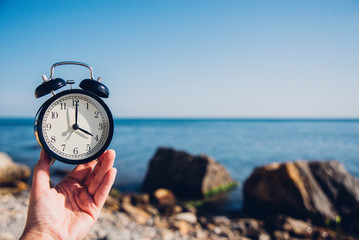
x=183, y=226
x=164, y=197
x=263, y=236
x=135, y=198
x=11, y=173
x=187, y=216
x=249, y=227
x=340, y=187
x=167, y=234
x=140, y=215
x=281, y=235
x=112, y=203
x=221, y=220
x=186, y=175
x=297, y=227
x=16, y=187
x=302, y=189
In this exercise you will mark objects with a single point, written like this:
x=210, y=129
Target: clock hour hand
x=84, y=131
x=77, y=127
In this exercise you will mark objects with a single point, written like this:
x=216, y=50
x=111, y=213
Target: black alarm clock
x=74, y=126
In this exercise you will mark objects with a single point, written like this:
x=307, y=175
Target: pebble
x=113, y=225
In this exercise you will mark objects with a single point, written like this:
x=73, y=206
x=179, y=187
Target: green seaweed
x=208, y=195
x=220, y=189
x=115, y=193
x=331, y=222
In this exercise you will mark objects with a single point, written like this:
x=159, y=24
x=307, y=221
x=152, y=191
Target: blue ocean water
x=239, y=144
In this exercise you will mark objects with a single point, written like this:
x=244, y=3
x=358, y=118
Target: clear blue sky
x=188, y=58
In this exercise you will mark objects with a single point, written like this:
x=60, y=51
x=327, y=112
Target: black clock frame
x=39, y=134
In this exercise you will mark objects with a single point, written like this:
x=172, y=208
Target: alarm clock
x=74, y=126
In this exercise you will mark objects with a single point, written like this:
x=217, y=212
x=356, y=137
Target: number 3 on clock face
x=74, y=126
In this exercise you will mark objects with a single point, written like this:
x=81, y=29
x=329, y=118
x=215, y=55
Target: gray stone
x=184, y=174
x=317, y=190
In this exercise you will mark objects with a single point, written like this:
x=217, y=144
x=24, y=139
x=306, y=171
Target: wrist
x=32, y=234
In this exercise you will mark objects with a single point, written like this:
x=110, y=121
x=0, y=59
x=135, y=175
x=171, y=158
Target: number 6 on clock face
x=74, y=126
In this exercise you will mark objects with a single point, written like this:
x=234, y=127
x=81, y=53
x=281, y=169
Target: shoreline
x=130, y=221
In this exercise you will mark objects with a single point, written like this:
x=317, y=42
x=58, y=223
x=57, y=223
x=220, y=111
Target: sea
x=240, y=145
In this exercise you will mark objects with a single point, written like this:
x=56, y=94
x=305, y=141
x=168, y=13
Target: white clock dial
x=75, y=126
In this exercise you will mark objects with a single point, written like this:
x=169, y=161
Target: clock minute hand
x=76, y=112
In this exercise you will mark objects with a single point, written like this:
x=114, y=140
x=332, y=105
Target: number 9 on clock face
x=74, y=126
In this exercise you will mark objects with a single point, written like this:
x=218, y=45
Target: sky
x=197, y=59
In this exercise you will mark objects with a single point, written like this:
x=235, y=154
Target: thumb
x=41, y=176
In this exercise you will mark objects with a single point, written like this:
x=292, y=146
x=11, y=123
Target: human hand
x=68, y=210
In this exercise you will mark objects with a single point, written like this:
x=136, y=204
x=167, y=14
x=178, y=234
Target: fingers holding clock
x=98, y=176
x=80, y=172
x=41, y=175
x=103, y=190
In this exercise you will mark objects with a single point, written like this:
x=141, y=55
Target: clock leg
x=52, y=160
x=98, y=161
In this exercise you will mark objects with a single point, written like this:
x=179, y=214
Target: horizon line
x=208, y=118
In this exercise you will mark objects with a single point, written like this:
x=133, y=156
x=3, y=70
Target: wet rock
x=302, y=189
x=11, y=173
x=186, y=175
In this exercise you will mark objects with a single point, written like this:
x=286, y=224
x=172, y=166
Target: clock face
x=75, y=127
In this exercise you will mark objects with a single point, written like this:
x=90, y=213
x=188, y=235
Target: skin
x=68, y=210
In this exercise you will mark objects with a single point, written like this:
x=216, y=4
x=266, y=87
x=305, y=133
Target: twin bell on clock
x=75, y=125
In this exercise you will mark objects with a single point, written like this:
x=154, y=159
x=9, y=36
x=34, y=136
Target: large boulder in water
x=11, y=173
x=186, y=175
x=321, y=190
